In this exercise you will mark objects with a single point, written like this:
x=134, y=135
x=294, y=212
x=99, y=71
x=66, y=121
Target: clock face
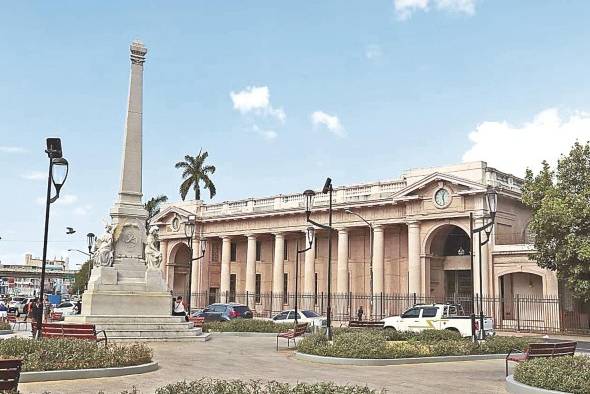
x=442, y=197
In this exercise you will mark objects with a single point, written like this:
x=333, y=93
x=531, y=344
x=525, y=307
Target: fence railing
x=518, y=313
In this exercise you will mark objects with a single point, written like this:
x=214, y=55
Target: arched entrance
x=449, y=249
x=181, y=270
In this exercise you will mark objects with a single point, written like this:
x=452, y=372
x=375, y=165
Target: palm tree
x=194, y=172
x=153, y=207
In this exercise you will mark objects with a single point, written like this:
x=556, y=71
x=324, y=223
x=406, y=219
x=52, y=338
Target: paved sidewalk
x=256, y=358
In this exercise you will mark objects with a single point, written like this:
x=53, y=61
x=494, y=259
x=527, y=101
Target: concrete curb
x=6, y=332
x=70, y=374
x=243, y=334
x=520, y=388
x=394, y=361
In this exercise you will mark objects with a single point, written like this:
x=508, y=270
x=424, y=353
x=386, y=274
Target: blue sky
x=355, y=90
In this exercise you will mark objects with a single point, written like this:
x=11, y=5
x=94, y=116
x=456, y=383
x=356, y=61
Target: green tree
x=560, y=204
x=152, y=206
x=194, y=172
x=81, y=279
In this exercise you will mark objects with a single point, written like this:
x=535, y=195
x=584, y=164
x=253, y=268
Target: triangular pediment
x=166, y=215
x=434, y=181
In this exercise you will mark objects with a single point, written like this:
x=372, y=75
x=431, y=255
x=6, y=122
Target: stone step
x=147, y=326
x=141, y=333
x=187, y=338
x=116, y=319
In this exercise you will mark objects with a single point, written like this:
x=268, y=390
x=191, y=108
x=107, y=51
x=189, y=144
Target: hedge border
x=514, y=387
x=243, y=334
x=394, y=361
x=73, y=374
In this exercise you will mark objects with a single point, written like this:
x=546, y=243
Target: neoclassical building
x=421, y=241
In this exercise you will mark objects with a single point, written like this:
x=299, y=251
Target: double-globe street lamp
x=492, y=201
x=309, y=237
x=58, y=173
x=190, y=227
x=370, y=255
x=309, y=196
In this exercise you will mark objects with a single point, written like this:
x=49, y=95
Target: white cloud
x=256, y=99
x=64, y=199
x=330, y=122
x=405, y=8
x=12, y=149
x=512, y=148
x=373, y=52
x=35, y=176
x=82, y=210
x=266, y=134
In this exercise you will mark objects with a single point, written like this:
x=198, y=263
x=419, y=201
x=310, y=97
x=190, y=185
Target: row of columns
x=417, y=278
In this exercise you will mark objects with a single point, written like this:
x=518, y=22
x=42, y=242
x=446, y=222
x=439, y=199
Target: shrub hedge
x=218, y=386
x=5, y=326
x=245, y=325
x=567, y=374
x=53, y=354
x=377, y=344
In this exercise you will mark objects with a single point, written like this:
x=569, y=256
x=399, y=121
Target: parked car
x=66, y=308
x=439, y=317
x=304, y=316
x=17, y=304
x=225, y=312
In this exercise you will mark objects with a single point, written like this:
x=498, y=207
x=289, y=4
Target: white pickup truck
x=438, y=317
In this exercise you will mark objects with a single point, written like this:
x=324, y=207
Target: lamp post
x=90, y=238
x=492, y=202
x=370, y=253
x=309, y=196
x=190, y=226
x=309, y=237
x=58, y=173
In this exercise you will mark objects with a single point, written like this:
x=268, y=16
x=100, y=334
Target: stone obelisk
x=125, y=286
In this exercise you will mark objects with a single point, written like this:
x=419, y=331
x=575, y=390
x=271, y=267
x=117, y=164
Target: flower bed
x=60, y=354
x=374, y=344
x=217, y=386
x=567, y=374
x=245, y=325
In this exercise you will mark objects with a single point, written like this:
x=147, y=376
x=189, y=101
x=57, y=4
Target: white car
x=438, y=317
x=66, y=308
x=305, y=316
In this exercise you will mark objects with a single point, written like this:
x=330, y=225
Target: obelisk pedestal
x=127, y=298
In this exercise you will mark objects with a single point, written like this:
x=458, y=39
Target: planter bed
x=70, y=374
x=512, y=386
x=394, y=361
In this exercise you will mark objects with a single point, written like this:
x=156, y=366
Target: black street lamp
x=309, y=196
x=190, y=226
x=309, y=237
x=90, y=237
x=492, y=202
x=58, y=173
x=370, y=253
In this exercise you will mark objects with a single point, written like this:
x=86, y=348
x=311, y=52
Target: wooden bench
x=12, y=319
x=293, y=333
x=365, y=324
x=536, y=350
x=76, y=331
x=10, y=374
x=56, y=316
x=197, y=321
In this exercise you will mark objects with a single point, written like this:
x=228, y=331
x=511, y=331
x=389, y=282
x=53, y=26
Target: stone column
x=414, y=271
x=378, y=268
x=278, y=273
x=251, y=269
x=342, y=276
x=309, y=274
x=225, y=268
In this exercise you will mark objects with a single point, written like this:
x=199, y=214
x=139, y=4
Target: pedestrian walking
x=36, y=315
x=359, y=313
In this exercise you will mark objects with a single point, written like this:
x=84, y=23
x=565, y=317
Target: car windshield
x=310, y=314
x=64, y=305
x=241, y=309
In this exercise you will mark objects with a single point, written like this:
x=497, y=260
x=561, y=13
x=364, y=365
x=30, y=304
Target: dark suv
x=225, y=312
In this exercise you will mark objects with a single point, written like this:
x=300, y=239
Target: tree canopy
x=194, y=172
x=560, y=203
x=152, y=206
x=81, y=279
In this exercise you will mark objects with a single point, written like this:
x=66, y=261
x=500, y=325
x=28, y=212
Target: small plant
x=431, y=336
x=5, y=326
x=54, y=354
x=502, y=345
x=567, y=374
x=218, y=386
x=245, y=325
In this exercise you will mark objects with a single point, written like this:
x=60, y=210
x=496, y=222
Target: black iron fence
x=518, y=313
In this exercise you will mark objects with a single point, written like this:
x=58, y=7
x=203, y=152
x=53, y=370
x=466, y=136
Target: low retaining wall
x=6, y=332
x=520, y=388
x=70, y=374
x=394, y=361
